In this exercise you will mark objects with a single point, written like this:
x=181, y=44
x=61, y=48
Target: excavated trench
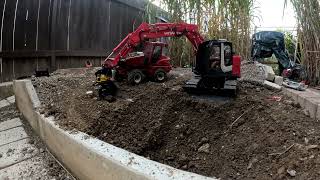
x=212, y=136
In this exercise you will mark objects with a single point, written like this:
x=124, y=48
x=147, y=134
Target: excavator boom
x=153, y=31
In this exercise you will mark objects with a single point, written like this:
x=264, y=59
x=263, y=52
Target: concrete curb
x=308, y=100
x=6, y=90
x=87, y=157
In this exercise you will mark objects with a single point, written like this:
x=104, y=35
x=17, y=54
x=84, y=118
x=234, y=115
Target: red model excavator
x=215, y=65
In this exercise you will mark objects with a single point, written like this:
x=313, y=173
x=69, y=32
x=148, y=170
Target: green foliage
x=289, y=41
x=217, y=19
x=307, y=13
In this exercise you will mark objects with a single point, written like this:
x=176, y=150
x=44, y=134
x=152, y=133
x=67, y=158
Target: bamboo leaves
x=307, y=13
x=217, y=19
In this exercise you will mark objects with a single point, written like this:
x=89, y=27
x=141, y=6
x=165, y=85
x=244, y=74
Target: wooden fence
x=41, y=34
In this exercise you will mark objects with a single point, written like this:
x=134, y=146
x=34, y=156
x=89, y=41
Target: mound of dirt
x=261, y=134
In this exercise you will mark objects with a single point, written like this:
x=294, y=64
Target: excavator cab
x=147, y=62
x=216, y=66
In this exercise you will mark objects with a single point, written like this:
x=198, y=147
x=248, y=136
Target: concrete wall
x=309, y=100
x=87, y=157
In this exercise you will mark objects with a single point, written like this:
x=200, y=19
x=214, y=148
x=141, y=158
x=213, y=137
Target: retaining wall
x=309, y=100
x=87, y=157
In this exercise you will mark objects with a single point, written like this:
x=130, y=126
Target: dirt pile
x=259, y=135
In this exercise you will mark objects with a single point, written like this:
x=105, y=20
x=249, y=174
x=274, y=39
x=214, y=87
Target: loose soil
x=253, y=136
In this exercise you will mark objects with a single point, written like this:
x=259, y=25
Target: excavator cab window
x=147, y=53
x=227, y=54
x=215, y=57
x=157, y=52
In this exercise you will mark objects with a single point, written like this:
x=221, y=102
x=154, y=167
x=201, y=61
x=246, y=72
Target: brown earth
x=250, y=137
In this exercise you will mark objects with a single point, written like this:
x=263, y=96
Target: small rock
x=204, y=140
x=41, y=111
x=258, y=89
x=9, y=150
x=41, y=150
x=30, y=151
x=89, y=92
x=24, y=149
x=31, y=141
x=311, y=147
x=184, y=167
x=288, y=102
x=86, y=137
x=204, y=148
x=0, y=155
x=170, y=158
x=254, y=160
x=130, y=100
x=281, y=170
x=292, y=173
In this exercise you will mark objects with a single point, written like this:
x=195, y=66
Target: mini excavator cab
x=216, y=66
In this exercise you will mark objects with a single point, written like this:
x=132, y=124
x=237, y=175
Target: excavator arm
x=153, y=31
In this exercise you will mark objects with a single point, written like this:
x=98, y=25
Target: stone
x=31, y=141
x=312, y=147
x=89, y=92
x=268, y=72
x=184, y=167
x=271, y=85
x=278, y=80
x=254, y=160
x=204, y=148
x=292, y=173
x=30, y=151
x=9, y=150
x=204, y=140
x=41, y=150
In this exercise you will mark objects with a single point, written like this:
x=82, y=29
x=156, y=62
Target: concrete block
x=269, y=73
x=4, y=103
x=287, y=92
x=12, y=135
x=90, y=158
x=27, y=100
x=311, y=106
x=301, y=100
x=10, y=124
x=16, y=152
x=271, y=85
x=278, y=80
x=6, y=90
